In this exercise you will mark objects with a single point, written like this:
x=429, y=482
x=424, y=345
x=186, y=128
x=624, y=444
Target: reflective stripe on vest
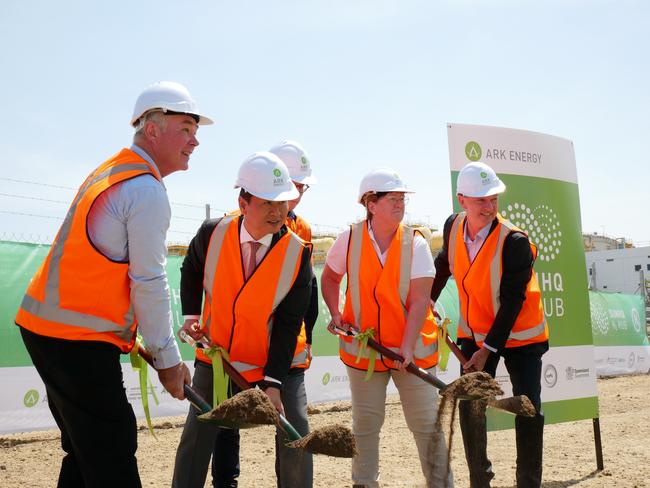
x=496, y=263
x=351, y=347
x=289, y=264
x=48, y=310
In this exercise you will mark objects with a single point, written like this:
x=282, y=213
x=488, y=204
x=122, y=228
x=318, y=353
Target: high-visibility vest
x=301, y=359
x=238, y=313
x=78, y=293
x=479, y=284
x=300, y=227
x=376, y=299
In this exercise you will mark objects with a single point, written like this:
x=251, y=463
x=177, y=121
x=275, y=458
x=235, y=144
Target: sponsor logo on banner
x=31, y=398
x=572, y=373
x=631, y=360
x=328, y=378
x=473, y=151
x=550, y=375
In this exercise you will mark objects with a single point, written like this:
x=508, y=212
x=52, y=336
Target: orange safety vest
x=376, y=299
x=300, y=226
x=78, y=293
x=479, y=286
x=237, y=313
x=301, y=359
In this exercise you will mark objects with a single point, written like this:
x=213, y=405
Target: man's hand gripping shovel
x=335, y=440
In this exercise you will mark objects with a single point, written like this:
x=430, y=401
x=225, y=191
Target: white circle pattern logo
x=541, y=224
x=599, y=316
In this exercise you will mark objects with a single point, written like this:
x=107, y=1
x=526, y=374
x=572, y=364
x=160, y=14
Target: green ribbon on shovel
x=220, y=379
x=139, y=364
x=443, y=348
x=371, y=354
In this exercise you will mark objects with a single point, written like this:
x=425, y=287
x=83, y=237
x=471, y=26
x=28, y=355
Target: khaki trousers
x=420, y=406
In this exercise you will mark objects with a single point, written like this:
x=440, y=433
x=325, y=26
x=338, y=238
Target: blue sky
x=359, y=83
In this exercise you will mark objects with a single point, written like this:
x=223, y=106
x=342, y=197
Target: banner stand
x=598, y=444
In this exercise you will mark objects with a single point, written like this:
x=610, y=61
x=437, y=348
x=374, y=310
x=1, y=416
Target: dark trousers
x=86, y=396
x=202, y=440
x=293, y=467
x=524, y=366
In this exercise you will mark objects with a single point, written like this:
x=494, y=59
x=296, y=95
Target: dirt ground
x=32, y=460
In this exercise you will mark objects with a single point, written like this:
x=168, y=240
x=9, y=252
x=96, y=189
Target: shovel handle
x=190, y=393
x=244, y=384
x=390, y=354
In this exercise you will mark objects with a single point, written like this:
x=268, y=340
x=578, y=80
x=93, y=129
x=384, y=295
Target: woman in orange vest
x=389, y=270
x=501, y=315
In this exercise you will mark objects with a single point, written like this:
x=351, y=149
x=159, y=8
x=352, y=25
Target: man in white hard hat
x=246, y=268
x=104, y=278
x=501, y=315
x=292, y=463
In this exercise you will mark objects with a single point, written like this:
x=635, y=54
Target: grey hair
x=155, y=116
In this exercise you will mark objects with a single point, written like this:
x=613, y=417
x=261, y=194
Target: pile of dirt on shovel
x=479, y=385
x=247, y=407
x=333, y=440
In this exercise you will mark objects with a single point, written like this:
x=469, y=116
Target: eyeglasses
x=302, y=188
x=394, y=199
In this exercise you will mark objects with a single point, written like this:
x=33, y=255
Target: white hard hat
x=167, y=96
x=293, y=155
x=381, y=180
x=478, y=180
x=264, y=175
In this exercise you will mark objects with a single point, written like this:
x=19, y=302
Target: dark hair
x=245, y=195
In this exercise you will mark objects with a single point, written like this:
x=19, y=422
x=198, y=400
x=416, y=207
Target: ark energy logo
x=473, y=151
x=31, y=398
x=326, y=378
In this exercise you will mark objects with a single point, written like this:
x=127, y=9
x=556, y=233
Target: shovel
x=518, y=405
x=194, y=397
x=411, y=368
x=335, y=440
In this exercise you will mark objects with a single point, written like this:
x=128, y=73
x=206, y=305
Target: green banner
x=618, y=319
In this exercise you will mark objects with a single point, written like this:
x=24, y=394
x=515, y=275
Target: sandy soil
x=32, y=460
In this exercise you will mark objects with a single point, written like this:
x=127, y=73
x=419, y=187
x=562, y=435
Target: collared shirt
x=129, y=222
x=244, y=237
x=474, y=246
x=421, y=264
x=289, y=312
